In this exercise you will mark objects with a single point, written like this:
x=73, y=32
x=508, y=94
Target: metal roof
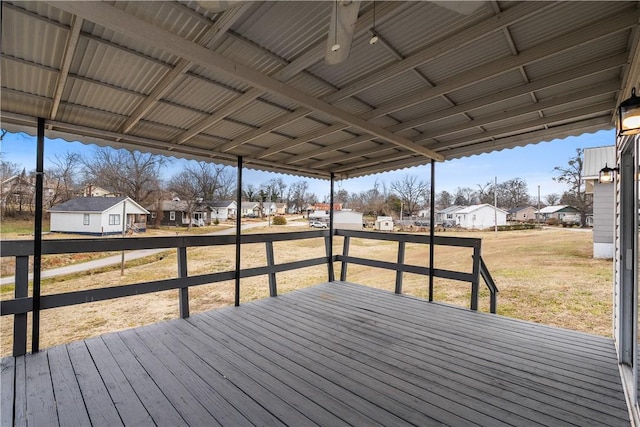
x=89, y=204
x=596, y=158
x=213, y=81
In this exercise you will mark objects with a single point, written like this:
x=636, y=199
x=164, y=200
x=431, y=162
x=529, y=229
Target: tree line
x=137, y=175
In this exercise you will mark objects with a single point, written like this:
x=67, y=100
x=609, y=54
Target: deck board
x=334, y=354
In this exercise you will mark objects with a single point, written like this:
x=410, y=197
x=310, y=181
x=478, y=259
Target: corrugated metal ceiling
x=438, y=84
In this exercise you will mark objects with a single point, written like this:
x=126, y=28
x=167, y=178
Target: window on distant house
x=114, y=219
x=85, y=219
x=153, y=215
x=172, y=216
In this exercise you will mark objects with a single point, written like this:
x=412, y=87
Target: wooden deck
x=334, y=354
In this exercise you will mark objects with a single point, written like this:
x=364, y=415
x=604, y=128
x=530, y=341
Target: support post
x=345, y=252
x=475, y=284
x=20, y=320
x=37, y=241
x=330, y=244
x=271, y=261
x=401, y=247
x=182, y=273
x=432, y=221
x=238, y=231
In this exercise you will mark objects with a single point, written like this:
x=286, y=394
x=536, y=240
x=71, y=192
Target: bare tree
x=444, y=199
x=571, y=175
x=410, y=190
x=129, y=173
x=486, y=193
x=513, y=193
x=552, y=199
x=209, y=179
x=250, y=193
x=298, y=195
x=63, y=177
x=465, y=196
x=187, y=189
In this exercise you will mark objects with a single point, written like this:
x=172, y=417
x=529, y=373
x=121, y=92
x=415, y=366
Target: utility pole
x=495, y=205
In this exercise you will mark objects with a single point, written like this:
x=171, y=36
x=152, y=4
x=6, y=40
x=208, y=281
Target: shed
x=603, y=219
x=98, y=216
x=384, y=223
x=481, y=216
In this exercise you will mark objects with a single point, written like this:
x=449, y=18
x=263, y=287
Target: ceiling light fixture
x=629, y=115
x=336, y=45
x=374, y=38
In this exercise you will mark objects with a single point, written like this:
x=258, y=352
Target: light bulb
x=373, y=40
x=335, y=47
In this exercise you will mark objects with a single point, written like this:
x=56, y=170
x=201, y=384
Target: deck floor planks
x=180, y=397
x=7, y=383
x=448, y=363
x=491, y=341
x=127, y=403
x=347, y=404
x=41, y=408
x=204, y=391
x=275, y=384
x=423, y=367
x=424, y=340
x=154, y=400
x=361, y=378
x=102, y=411
x=288, y=373
x=69, y=400
x=333, y=354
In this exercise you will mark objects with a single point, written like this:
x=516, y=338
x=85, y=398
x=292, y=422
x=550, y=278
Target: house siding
x=73, y=222
x=603, y=214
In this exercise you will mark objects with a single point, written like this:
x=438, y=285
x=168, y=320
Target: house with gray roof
x=98, y=216
x=180, y=213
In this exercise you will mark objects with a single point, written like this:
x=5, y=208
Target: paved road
x=129, y=256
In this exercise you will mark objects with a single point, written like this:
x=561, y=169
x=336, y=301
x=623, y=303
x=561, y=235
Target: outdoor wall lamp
x=607, y=175
x=629, y=115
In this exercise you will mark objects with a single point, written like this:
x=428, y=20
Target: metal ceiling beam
x=581, y=71
x=556, y=46
x=121, y=22
x=495, y=23
x=455, y=41
x=170, y=79
x=69, y=51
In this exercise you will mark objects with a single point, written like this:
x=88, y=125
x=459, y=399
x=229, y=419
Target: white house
x=384, y=223
x=603, y=199
x=98, y=216
x=249, y=209
x=480, y=216
x=556, y=212
x=223, y=209
x=448, y=215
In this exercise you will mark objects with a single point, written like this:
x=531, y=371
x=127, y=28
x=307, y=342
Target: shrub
x=279, y=220
x=216, y=221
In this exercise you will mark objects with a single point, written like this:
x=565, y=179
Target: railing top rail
x=13, y=248
x=467, y=242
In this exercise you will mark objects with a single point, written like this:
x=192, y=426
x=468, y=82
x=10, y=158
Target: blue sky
x=533, y=163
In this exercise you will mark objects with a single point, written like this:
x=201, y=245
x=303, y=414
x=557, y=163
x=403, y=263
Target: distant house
x=250, y=209
x=222, y=209
x=556, y=212
x=383, y=223
x=480, y=216
x=91, y=190
x=603, y=219
x=98, y=216
x=424, y=213
x=522, y=214
x=325, y=207
x=447, y=216
x=176, y=213
x=269, y=208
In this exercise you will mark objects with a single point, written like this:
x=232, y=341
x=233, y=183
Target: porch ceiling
x=197, y=80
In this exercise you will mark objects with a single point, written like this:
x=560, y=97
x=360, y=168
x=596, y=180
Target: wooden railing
x=21, y=250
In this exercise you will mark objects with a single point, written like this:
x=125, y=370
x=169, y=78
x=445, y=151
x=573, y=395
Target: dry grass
x=544, y=276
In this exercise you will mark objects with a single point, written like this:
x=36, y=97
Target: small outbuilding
x=384, y=223
x=98, y=216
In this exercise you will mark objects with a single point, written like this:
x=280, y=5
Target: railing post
x=329, y=251
x=475, y=283
x=182, y=272
x=20, y=320
x=401, y=246
x=273, y=287
x=345, y=252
